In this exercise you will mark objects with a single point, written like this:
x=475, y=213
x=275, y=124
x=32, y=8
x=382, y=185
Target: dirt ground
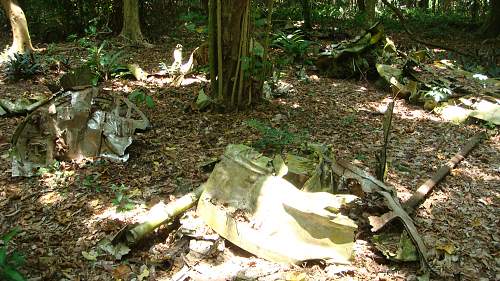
x=60, y=216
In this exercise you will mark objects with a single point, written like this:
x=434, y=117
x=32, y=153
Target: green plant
x=10, y=261
x=102, y=63
x=55, y=175
x=438, y=94
x=54, y=167
x=294, y=44
x=90, y=35
x=21, y=66
x=273, y=138
x=195, y=22
x=91, y=182
x=139, y=97
x=122, y=201
x=360, y=157
x=489, y=125
x=56, y=61
x=348, y=120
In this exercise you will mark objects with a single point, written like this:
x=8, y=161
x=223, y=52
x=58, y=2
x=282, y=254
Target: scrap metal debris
x=75, y=125
x=369, y=184
x=249, y=199
x=438, y=85
x=20, y=106
x=265, y=214
x=351, y=58
x=378, y=222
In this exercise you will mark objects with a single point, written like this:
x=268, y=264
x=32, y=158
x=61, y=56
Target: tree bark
x=306, y=11
x=21, y=41
x=492, y=26
x=361, y=6
x=131, y=24
x=423, y=4
x=233, y=85
x=370, y=11
x=204, y=5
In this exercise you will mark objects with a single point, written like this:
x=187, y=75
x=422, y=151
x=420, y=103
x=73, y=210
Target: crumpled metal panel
x=75, y=125
x=268, y=216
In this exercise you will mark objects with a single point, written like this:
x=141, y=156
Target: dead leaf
x=91, y=256
x=449, y=248
x=118, y=251
x=121, y=272
x=295, y=276
x=144, y=273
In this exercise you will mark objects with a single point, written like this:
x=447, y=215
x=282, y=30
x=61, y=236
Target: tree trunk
x=204, y=5
x=474, y=10
x=131, y=25
x=492, y=26
x=21, y=41
x=361, y=6
x=370, y=11
x=306, y=11
x=423, y=4
x=233, y=85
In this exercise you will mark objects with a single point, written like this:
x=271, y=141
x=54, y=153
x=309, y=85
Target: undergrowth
x=10, y=260
x=22, y=66
x=275, y=139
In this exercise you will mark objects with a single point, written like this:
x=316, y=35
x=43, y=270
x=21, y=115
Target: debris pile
x=249, y=199
x=75, y=125
x=438, y=85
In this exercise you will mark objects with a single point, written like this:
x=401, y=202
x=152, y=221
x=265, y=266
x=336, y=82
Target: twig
x=13, y=213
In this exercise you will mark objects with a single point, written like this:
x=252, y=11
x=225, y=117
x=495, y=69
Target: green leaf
x=12, y=274
x=91, y=256
x=95, y=80
x=7, y=237
x=128, y=206
x=3, y=255
x=150, y=102
x=260, y=22
x=258, y=49
x=137, y=96
x=16, y=259
x=245, y=63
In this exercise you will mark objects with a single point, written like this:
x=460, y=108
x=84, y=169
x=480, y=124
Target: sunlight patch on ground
x=232, y=266
x=401, y=110
x=196, y=80
x=50, y=198
x=154, y=214
x=315, y=78
x=293, y=105
x=361, y=89
x=478, y=174
x=131, y=216
x=455, y=114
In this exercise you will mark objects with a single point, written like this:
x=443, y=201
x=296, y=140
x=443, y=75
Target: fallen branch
x=161, y=214
x=378, y=222
x=427, y=187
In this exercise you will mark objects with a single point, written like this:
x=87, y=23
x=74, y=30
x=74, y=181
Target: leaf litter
x=63, y=219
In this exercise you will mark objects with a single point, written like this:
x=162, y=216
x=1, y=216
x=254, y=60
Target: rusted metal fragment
x=75, y=125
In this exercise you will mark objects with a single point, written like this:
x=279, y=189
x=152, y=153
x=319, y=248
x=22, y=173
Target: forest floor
x=60, y=215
